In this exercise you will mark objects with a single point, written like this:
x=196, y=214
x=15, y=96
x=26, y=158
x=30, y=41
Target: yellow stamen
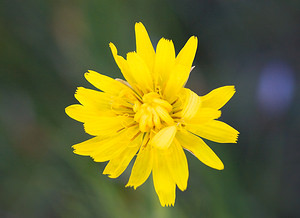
x=153, y=112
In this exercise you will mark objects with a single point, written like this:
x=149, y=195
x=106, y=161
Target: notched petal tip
x=141, y=32
x=114, y=51
x=194, y=41
x=218, y=97
x=139, y=25
x=163, y=39
x=79, y=89
x=113, y=48
x=144, y=46
x=131, y=54
x=167, y=204
x=194, y=38
x=90, y=75
x=90, y=72
x=230, y=88
x=131, y=186
x=187, y=54
x=237, y=136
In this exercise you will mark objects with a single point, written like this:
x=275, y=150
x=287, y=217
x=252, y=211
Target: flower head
x=152, y=115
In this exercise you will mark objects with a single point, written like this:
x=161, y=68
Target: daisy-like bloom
x=151, y=115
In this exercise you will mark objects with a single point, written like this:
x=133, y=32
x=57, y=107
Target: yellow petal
x=164, y=60
x=112, y=148
x=178, y=76
x=199, y=148
x=117, y=165
x=142, y=167
x=181, y=70
x=122, y=64
x=80, y=113
x=100, y=143
x=92, y=99
x=187, y=54
x=163, y=182
x=204, y=115
x=106, y=125
x=101, y=150
x=164, y=137
x=105, y=83
x=216, y=131
x=191, y=104
x=217, y=98
x=144, y=46
x=110, y=151
x=178, y=165
x=89, y=146
x=140, y=71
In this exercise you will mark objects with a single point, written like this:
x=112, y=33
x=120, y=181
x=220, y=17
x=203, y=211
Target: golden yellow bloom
x=152, y=115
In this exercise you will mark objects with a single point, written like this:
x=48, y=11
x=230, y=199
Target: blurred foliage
x=46, y=46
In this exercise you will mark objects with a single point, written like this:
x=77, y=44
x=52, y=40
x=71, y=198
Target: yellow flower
x=152, y=115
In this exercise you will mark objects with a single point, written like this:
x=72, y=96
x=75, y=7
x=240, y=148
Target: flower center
x=153, y=113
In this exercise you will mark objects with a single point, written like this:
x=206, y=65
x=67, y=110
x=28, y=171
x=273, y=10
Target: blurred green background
x=45, y=48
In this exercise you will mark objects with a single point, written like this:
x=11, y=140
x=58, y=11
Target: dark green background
x=45, y=48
